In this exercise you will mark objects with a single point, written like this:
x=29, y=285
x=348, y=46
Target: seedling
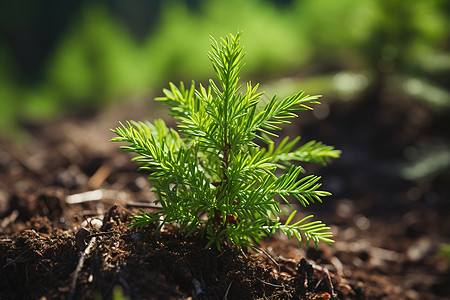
x=212, y=176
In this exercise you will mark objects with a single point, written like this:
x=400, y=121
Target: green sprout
x=214, y=177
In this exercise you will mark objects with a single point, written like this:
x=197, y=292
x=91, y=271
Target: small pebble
x=80, y=238
x=94, y=222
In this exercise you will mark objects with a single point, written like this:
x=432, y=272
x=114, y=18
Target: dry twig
x=80, y=264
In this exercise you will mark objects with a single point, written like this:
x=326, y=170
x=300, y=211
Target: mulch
x=65, y=202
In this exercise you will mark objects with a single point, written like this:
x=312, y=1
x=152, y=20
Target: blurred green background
x=77, y=58
x=80, y=56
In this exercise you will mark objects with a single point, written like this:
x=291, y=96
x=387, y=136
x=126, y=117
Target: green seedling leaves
x=211, y=175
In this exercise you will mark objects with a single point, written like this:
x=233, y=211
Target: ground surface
x=388, y=231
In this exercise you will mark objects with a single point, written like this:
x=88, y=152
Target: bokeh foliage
x=98, y=59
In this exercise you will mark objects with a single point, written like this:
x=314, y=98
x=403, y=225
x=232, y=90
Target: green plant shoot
x=211, y=175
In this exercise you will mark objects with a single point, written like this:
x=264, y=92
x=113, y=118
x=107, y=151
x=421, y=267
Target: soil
x=66, y=197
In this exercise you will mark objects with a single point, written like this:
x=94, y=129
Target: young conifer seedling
x=211, y=175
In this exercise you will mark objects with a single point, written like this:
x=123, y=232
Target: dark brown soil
x=69, y=177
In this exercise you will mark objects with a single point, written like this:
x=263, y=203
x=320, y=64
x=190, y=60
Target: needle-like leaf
x=210, y=175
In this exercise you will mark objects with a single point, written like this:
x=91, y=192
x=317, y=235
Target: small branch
x=99, y=176
x=100, y=234
x=325, y=276
x=338, y=265
x=225, y=297
x=96, y=195
x=84, y=234
x=270, y=257
x=86, y=252
x=271, y=284
x=143, y=205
